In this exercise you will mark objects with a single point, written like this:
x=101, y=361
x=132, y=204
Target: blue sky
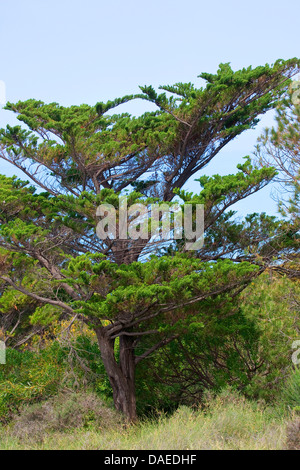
x=75, y=52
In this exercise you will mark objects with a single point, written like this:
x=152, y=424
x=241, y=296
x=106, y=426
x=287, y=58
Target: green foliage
x=246, y=343
x=83, y=140
x=37, y=374
x=90, y=367
x=222, y=350
x=280, y=147
x=272, y=302
x=165, y=282
x=45, y=315
x=217, y=189
x=28, y=377
x=291, y=390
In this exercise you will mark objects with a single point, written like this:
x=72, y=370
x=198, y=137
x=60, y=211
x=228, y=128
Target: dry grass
x=62, y=414
x=293, y=435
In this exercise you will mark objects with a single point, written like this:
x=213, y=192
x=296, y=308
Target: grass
x=227, y=422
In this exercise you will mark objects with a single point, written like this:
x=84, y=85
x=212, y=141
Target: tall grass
x=226, y=422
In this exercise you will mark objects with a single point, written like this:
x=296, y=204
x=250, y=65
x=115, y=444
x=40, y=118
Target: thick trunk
x=121, y=375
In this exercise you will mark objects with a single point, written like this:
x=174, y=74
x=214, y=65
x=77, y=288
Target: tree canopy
x=82, y=156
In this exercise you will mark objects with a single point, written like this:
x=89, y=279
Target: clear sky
x=75, y=52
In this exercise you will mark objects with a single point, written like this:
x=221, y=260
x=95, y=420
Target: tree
x=80, y=157
x=279, y=147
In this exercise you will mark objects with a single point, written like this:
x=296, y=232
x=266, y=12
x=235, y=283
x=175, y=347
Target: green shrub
x=34, y=376
x=28, y=377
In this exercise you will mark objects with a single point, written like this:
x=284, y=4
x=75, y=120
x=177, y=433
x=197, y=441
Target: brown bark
x=121, y=374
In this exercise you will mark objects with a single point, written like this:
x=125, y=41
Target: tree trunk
x=121, y=375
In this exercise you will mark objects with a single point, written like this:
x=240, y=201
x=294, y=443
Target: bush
x=28, y=377
x=65, y=412
x=48, y=368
